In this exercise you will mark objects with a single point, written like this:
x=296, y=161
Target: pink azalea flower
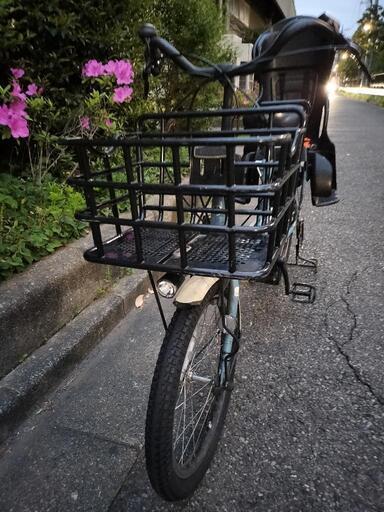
x=19, y=127
x=32, y=89
x=17, y=108
x=17, y=72
x=4, y=115
x=40, y=90
x=16, y=91
x=123, y=72
x=108, y=123
x=109, y=68
x=93, y=68
x=122, y=93
x=85, y=122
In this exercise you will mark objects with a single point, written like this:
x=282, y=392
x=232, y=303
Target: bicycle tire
x=170, y=479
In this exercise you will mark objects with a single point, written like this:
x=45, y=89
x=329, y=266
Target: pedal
x=304, y=293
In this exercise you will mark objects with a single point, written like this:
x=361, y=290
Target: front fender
x=193, y=290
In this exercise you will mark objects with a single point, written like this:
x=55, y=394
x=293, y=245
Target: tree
x=196, y=28
x=370, y=37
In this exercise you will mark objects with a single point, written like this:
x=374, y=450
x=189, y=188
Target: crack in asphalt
x=340, y=346
x=344, y=299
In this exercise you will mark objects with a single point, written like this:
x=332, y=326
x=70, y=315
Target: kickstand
x=299, y=292
x=310, y=263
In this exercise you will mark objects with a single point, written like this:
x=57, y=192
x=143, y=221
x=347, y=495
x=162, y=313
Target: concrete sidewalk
x=43, y=369
x=79, y=444
x=373, y=91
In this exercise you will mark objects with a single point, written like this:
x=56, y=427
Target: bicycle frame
x=234, y=284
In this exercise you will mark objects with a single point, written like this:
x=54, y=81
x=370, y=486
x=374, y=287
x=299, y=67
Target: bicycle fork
x=232, y=329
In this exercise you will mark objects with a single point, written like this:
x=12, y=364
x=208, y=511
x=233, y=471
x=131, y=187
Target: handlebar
x=157, y=48
x=156, y=44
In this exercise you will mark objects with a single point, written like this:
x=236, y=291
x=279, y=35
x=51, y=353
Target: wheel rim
x=194, y=416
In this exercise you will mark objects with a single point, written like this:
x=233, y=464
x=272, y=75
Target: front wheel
x=187, y=405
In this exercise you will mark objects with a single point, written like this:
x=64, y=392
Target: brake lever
x=146, y=33
x=153, y=58
x=157, y=58
x=355, y=50
x=146, y=69
x=364, y=68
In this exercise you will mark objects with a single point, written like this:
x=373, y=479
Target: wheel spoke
x=192, y=422
x=197, y=378
x=184, y=412
x=203, y=424
x=194, y=394
x=207, y=354
x=183, y=415
x=198, y=421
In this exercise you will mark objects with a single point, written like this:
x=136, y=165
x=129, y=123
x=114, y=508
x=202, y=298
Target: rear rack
x=198, y=200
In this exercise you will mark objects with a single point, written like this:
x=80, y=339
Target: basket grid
x=227, y=216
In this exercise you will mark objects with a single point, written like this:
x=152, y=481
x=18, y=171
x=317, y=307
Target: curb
x=37, y=303
x=44, y=369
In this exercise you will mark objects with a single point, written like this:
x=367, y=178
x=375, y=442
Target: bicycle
x=234, y=218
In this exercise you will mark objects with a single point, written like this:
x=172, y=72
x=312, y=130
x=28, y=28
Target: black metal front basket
x=186, y=197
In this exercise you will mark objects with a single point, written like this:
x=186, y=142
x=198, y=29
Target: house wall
x=244, y=14
x=288, y=7
x=243, y=54
x=254, y=15
x=241, y=10
x=257, y=14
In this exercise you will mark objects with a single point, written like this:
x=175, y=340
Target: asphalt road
x=305, y=430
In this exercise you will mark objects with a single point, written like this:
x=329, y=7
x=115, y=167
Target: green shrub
x=52, y=40
x=34, y=221
x=195, y=28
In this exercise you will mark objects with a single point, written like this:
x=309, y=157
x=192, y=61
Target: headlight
x=331, y=87
x=168, y=285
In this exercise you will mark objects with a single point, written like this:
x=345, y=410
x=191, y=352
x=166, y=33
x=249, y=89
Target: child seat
x=303, y=50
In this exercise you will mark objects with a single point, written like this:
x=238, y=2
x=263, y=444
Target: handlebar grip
x=147, y=31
